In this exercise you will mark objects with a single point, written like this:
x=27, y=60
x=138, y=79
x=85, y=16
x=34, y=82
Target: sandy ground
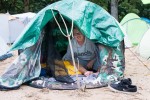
x=135, y=70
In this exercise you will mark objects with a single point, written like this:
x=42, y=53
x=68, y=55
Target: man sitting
x=85, y=52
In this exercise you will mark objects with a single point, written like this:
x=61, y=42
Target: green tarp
x=92, y=20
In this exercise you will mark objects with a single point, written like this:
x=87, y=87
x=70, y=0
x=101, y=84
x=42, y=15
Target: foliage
x=102, y=3
x=14, y=6
x=124, y=6
x=17, y=6
x=127, y=6
x=133, y=6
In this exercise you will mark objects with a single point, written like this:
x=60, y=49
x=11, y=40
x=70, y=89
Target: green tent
x=135, y=27
x=143, y=48
x=42, y=41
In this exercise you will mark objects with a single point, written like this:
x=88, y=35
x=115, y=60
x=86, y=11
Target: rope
x=68, y=36
x=139, y=59
x=59, y=25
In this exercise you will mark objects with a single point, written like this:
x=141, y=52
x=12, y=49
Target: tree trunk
x=114, y=8
x=26, y=5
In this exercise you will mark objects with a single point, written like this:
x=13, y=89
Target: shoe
x=123, y=86
x=127, y=81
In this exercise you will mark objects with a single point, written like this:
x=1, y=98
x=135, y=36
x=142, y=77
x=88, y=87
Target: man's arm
x=90, y=63
x=67, y=56
x=82, y=69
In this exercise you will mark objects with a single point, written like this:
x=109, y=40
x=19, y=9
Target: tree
x=114, y=8
x=26, y=5
x=117, y=8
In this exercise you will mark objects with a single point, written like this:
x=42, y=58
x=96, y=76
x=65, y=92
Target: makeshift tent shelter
x=144, y=48
x=41, y=43
x=135, y=27
x=3, y=50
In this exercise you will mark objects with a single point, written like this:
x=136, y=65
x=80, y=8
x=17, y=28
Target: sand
x=135, y=70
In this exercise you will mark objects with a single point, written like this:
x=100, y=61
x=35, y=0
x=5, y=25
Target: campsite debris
x=83, y=87
x=147, y=75
x=45, y=90
x=140, y=88
x=29, y=95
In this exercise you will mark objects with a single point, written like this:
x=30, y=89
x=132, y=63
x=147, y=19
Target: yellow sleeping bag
x=70, y=68
x=67, y=65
